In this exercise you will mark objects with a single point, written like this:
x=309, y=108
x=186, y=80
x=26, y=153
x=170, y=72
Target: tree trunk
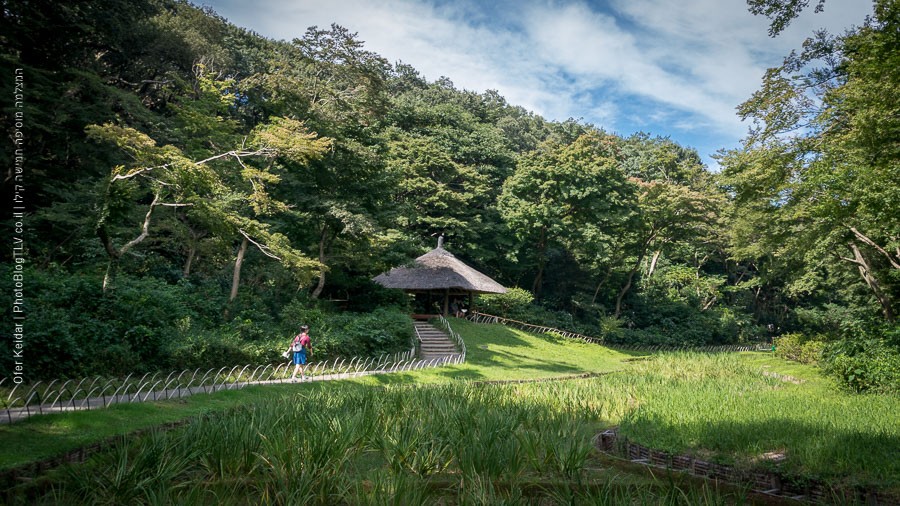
x=186, y=270
x=318, y=290
x=193, y=241
x=625, y=288
x=895, y=262
x=653, y=263
x=602, y=282
x=865, y=271
x=111, y=268
x=115, y=254
x=634, y=269
x=538, y=280
x=236, y=278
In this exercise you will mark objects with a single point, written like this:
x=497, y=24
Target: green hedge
x=74, y=329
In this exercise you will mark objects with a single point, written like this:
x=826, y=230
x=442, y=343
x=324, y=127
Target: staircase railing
x=454, y=336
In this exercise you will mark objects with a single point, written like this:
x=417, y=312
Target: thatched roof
x=439, y=270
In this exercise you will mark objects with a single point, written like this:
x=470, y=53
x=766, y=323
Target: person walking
x=300, y=346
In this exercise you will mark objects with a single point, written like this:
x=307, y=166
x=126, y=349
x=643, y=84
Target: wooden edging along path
x=770, y=483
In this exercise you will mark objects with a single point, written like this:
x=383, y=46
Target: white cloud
x=599, y=53
x=683, y=64
x=720, y=47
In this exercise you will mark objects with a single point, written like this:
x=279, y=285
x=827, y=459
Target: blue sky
x=674, y=68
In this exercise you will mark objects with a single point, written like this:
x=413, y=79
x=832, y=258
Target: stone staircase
x=433, y=342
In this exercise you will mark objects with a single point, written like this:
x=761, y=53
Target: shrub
x=210, y=350
x=864, y=365
x=300, y=312
x=75, y=329
x=835, y=321
x=673, y=324
x=365, y=334
x=811, y=352
x=799, y=348
x=611, y=329
x=114, y=360
x=788, y=346
x=515, y=303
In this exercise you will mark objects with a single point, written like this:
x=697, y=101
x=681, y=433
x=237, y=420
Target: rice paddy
x=352, y=444
x=433, y=437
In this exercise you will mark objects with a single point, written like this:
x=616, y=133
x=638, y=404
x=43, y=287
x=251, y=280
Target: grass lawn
x=494, y=353
x=425, y=434
x=41, y=437
x=727, y=408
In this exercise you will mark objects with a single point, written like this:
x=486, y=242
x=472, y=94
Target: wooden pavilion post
x=446, y=300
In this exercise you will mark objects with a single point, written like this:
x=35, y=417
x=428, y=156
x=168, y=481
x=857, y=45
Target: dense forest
x=195, y=191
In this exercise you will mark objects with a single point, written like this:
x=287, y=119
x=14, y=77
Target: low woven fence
x=21, y=401
x=765, y=481
x=539, y=329
x=454, y=336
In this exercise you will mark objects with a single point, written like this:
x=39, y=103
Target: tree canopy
x=247, y=175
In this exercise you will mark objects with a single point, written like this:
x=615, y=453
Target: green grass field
x=434, y=436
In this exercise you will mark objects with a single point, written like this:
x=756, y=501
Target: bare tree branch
x=139, y=172
x=145, y=229
x=851, y=260
x=872, y=243
x=710, y=303
x=240, y=154
x=263, y=248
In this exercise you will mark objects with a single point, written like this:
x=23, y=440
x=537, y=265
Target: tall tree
x=669, y=214
x=827, y=139
x=573, y=194
x=232, y=204
x=328, y=78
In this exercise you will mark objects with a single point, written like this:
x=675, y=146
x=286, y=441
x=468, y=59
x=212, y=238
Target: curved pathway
x=436, y=350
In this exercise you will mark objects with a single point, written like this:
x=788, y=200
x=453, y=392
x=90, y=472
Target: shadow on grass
x=463, y=374
x=393, y=378
x=844, y=457
x=519, y=361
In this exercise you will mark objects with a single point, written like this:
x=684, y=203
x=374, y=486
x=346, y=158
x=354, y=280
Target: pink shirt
x=304, y=340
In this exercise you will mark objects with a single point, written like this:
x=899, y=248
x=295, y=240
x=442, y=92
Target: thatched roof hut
x=439, y=272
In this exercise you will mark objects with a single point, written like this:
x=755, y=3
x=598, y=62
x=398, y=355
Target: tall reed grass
x=463, y=443
x=350, y=444
x=723, y=407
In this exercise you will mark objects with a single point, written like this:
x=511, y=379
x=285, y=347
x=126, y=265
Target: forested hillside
x=195, y=191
